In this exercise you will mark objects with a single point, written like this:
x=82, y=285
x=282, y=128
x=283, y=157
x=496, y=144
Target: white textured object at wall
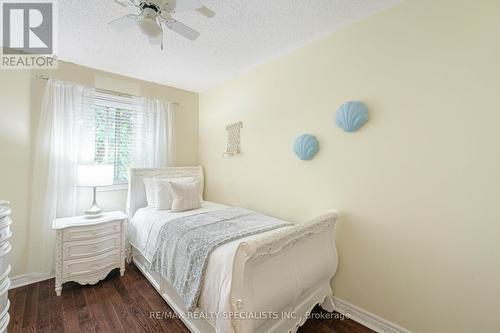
x=233, y=139
x=5, y=248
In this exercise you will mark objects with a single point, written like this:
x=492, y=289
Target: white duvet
x=215, y=294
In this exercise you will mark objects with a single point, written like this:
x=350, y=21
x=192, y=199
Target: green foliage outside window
x=113, y=139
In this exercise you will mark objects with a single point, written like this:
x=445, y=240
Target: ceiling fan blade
x=126, y=3
x=124, y=22
x=206, y=11
x=122, y=3
x=182, y=29
x=183, y=5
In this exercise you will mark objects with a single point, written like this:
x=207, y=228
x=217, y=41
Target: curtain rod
x=111, y=92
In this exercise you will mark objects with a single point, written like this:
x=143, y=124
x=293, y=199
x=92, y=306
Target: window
x=113, y=135
x=116, y=130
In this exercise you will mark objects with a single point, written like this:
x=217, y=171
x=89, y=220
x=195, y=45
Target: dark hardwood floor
x=117, y=304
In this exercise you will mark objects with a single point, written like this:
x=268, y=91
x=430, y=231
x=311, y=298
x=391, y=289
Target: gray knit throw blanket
x=185, y=245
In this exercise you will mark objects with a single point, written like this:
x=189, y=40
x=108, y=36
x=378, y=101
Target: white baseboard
x=366, y=318
x=25, y=279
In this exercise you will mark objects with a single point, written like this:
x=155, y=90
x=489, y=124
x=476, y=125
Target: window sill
x=116, y=187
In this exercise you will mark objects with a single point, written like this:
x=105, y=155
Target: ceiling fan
x=155, y=15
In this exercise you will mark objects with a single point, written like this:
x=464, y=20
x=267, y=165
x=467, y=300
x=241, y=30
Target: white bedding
x=215, y=294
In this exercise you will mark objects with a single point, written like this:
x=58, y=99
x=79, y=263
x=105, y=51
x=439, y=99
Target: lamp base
x=93, y=212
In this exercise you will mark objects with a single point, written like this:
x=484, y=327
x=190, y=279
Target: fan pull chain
x=161, y=36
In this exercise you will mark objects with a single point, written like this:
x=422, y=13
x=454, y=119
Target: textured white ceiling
x=243, y=34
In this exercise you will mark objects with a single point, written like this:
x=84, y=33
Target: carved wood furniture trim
x=88, y=249
x=136, y=192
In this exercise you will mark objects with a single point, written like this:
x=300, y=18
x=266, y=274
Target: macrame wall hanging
x=233, y=139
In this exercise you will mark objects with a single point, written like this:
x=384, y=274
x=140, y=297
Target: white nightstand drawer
x=75, y=268
x=85, y=249
x=91, y=232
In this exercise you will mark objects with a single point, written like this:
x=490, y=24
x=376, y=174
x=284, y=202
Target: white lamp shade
x=95, y=175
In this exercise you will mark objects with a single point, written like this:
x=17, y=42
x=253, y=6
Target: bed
x=267, y=282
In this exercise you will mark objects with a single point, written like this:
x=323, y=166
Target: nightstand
x=88, y=249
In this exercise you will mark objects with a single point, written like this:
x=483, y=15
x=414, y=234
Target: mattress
x=214, y=302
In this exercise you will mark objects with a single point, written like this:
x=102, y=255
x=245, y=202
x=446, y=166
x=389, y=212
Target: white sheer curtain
x=56, y=156
x=155, y=148
x=66, y=137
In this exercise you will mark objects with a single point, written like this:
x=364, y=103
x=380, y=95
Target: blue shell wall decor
x=306, y=146
x=351, y=116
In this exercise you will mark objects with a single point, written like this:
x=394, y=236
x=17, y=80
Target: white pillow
x=163, y=192
x=150, y=185
x=186, y=196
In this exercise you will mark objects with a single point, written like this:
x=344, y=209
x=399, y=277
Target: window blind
x=116, y=130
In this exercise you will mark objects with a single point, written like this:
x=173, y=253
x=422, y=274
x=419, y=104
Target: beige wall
x=15, y=142
x=418, y=187
x=20, y=101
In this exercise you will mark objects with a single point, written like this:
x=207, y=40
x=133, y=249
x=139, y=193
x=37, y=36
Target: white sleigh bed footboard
x=278, y=279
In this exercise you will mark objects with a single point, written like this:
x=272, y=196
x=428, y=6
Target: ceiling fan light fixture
x=156, y=15
x=148, y=24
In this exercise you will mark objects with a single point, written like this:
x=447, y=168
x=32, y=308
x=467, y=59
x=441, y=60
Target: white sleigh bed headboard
x=136, y=191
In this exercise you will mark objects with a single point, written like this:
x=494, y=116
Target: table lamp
x=95, y=176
